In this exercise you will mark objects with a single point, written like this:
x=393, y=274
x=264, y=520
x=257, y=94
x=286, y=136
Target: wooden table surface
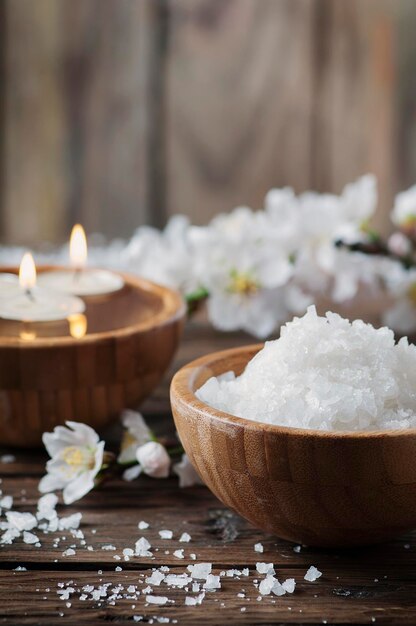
x=366, y=586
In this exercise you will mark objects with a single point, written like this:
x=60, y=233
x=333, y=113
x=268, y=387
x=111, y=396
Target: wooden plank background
x=117, y=113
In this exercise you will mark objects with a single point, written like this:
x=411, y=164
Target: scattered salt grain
x=156, y=578
x=7, y=458
x=166, y=534
x=200, y=570
x=258, y=547
x=142, y=525
x=324, y=373
x=69, y=552
x=156, y=599
x=265, y=568
x=297, y=549
x=312, y=574
x=212, y=583
x=178, y=554
x=289, y=585
x=21, y=521
x=142, y=547
x=108, y=546
x=6, y=502
x=29, y=537
x=185, y=538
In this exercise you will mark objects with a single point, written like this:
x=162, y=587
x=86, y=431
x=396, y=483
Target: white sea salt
x=142, y=547
x=156, y=599
x=21, y=521
x=29, y=537
x=324, y=373
x=212, y=583
x=312, y=574
x=258, y=547
x=185, y=538
x=178, y=554
x=289, y=585
x=166, y=534
x=265, y=568
x=142, y=525
x=200, y=570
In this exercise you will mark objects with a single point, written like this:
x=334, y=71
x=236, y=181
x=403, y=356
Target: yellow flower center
x=127, y=441
x=242, y=283
x=76, y=458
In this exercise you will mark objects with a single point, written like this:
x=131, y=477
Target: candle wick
x=30, y=295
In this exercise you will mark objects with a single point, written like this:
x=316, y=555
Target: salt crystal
x=166, y=534
x=7, y=458
x=265, y=568
x=118, y=569
x=324, y=373
x=178, y=554
x=178, y=580
x=155, y=578
x=128, y=552
x=72, y=521
x=21, y=521
x=142, y=525
x=185, y=538
x=212, y=582
x=189, y=601
x=69, y=552
x=200, y=570
x=312, y=574
x=289, y=585
x=29, y=537
x=266, y=585
x=142, y=547
x=20, y=568
x=108, y=546
x=156, y=599
x=258, y=547
x=6, y=502
x=297, y=549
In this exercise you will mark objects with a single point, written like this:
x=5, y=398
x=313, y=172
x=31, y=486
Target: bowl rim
x=182, y=390
x=173, y=309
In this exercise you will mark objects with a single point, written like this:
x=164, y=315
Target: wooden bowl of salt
x=319, y=488
x=90, y=367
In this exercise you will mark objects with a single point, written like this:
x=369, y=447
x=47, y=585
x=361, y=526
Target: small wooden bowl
x=44, y=381
x=318, y=488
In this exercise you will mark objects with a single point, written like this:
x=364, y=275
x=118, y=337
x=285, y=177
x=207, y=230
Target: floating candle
x=33, y=304
x=9, y=285
x=79, y=279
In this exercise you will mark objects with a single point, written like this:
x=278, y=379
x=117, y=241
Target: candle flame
x=27, y=272
x=77, y=325
x=78, y=247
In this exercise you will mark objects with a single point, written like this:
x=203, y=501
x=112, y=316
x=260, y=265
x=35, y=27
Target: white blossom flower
x=404, y=210
x=76, y=458
x=186, y=473
x=153, y=459
x=136, y=435
x=399, y=244
x=401, y=286
x=243, y=270
x=164, y=257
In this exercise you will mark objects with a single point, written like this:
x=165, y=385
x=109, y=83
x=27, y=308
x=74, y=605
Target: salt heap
x=324, y=373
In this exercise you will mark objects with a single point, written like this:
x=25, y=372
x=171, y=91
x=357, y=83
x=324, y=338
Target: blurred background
x=116, y=113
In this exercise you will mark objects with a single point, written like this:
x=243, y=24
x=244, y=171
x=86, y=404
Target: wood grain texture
x=48, y=380
x=356, y=585
x=76, y=117
x=239, y=102
x=313, y=487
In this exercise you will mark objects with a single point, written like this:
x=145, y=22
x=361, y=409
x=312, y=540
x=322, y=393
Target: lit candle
x=80, y=280
x=34, y=304
x=9, y=285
